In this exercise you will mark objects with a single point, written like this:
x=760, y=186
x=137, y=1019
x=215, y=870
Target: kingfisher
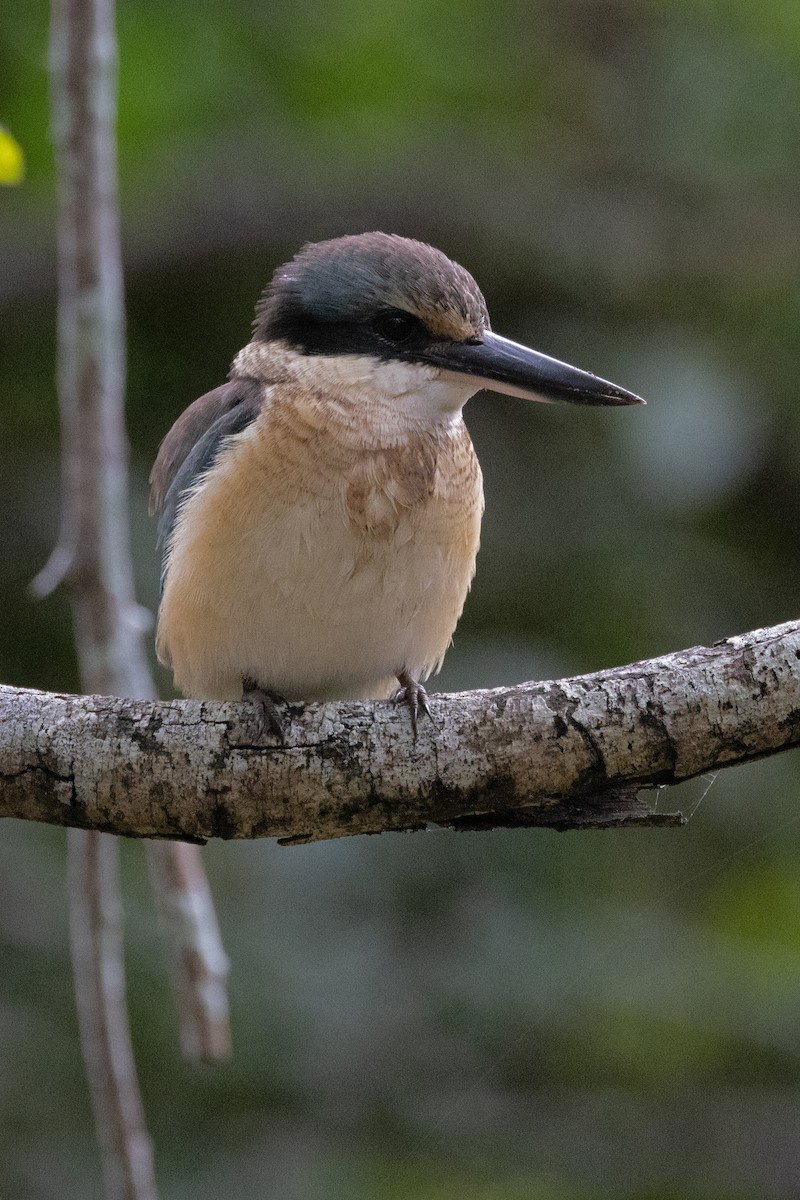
x=321, y=511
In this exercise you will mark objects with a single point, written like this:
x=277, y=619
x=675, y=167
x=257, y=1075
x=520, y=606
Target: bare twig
x=93, y=550
x=95, y=916
x=93, y=555
x=569, y=753
x=194, y=953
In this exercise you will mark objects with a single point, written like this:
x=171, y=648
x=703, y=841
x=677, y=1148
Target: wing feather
x=190, y=426
x=191, y=446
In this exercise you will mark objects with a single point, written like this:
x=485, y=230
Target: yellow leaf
x=12, y=160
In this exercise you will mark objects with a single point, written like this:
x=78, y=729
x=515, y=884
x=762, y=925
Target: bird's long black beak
x=508, y=367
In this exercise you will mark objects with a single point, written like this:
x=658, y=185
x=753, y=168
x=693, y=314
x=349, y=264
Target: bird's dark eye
x=397, y=326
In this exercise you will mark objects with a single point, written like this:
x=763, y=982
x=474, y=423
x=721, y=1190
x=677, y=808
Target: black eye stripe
x=389, y=333
x=398, y=326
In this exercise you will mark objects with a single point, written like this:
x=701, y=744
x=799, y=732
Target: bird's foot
x=414, y=695
x=265, y=703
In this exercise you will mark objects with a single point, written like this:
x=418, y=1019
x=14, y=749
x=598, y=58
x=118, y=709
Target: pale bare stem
x=55, y=570
x=96, y=940
x=564, y=753
x=93, y=551
x=193, y=949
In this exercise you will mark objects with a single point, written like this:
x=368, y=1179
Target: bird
x=320, y=512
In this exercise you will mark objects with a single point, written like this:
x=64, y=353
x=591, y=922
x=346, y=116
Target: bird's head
x=396, y=303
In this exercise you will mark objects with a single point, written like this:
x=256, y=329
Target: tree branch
x=194, y=955
x=566, y=753
x=93, y=549
x=96, y=942
x=92, y=553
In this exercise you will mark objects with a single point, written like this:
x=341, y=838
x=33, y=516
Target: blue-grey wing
x=192, y=445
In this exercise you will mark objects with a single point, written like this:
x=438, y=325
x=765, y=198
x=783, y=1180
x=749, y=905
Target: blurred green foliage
x=439, y=1016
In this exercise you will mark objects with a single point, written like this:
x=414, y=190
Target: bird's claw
x=412, y=693
x=267, y=713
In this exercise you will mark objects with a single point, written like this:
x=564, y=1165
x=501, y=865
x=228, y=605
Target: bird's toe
x=267, y=712
x=413, y=694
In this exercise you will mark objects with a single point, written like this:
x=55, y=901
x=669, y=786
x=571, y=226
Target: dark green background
x=509, y=1016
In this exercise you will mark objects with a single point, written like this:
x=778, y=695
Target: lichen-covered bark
x=566, y=753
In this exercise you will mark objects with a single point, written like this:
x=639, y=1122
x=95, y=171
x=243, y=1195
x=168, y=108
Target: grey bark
x=568, y=753
x=93, y=553
x=93, y=556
